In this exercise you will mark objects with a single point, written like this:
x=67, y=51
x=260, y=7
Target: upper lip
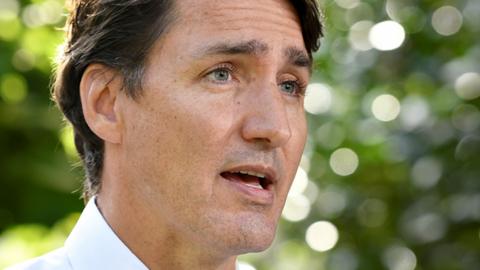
x=257, y=170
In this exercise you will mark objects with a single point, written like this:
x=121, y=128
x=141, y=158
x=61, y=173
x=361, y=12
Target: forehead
x=243, y=19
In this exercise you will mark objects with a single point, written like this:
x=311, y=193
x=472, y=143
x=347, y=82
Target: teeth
x=252, y=173
x=254, y=185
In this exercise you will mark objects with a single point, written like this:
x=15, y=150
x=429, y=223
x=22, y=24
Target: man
x=189, y=118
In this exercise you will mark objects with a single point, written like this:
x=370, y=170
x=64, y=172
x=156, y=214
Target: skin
x=222, y=89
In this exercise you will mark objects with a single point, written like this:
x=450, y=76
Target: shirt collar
x=92, y=244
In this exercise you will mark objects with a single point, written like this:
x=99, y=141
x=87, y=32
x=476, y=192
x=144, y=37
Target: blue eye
x=291, y=88
x=220, y=75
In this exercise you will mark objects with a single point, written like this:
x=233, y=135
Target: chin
x=260, y=246
x=254, y=237
x=239, y=232
x=256, y=245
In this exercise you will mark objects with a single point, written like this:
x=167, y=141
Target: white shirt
x=91, y=245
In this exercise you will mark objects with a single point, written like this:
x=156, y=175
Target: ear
x=100, y=88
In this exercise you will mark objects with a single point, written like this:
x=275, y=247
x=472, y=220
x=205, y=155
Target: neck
x=158, y=244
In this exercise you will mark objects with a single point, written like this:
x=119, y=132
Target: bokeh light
x=297, y=207
x=426, y=172
x=399, y=258
x=344, y=161
x=387, y=35
x=415, y=112
x=347, y=3
x=13, y=88
x=245, y=266
x=361, y=12
x=48, y=12
x=318, y=98
x=358, y=35
x=467, y=86
x=471, y=11
x=411, y=17
x=464, y=207
x=385, y=107
x=332, y=201
x=300, y=182
x=311, y=192
x=447, y=20
x=322, y=236
x=425, y=228
x=330, y=135
x=9, y=9
x=23, y=60
x=393, y=7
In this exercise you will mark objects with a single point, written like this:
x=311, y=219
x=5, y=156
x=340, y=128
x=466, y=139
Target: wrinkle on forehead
x=253, y=14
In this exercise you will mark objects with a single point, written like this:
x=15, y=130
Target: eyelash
x=222, y=67
x=300, y=85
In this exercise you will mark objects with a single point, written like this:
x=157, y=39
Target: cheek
x=212, y=115
x=180, y=134
x=295, y=146
x=298, y=127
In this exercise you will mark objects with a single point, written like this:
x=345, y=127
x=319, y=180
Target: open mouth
x=251, y=179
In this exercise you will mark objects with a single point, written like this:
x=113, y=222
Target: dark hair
x=120, y=34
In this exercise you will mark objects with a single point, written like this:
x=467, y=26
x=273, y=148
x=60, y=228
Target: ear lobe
x=100, y=88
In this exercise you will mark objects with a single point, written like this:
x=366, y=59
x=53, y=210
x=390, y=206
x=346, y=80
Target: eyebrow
x=251, y=47
x=298, y=57
x=295, y=56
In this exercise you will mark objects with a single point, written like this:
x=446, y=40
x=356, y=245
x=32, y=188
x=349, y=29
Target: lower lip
x=260, y=196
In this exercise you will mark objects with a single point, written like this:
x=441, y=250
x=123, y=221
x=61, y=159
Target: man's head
x=120, y=34
x=192, y=111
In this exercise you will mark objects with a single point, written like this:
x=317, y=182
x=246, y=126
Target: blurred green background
x=390, y=177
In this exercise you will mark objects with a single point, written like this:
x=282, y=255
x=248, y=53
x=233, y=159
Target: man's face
x=214, y=141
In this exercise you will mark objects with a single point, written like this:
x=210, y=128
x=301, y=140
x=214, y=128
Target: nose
x=266, y=121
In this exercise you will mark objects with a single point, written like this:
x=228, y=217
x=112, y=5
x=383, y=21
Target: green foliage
x=36, y=171
x=413, y=201
x=25, y=241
